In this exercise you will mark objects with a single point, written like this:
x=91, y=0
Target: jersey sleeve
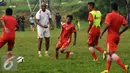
x=38, y=15
x=49, y=14
x=73, y=29
x=108, y=19
x=124, y=22
x=90, y=17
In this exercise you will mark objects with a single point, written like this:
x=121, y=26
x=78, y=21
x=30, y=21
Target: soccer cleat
x=95, y=60
x=104, y=55
x=126, y=68
x=39, y=55
x=105, y=71
x=46, y=53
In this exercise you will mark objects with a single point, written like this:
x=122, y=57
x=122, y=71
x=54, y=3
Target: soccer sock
x=46, y=52
x=67, y=53
x=100, y=49
x=109, y=61
x=116, y=58
x=92, y=52
x=39, y=52
x=9, y=54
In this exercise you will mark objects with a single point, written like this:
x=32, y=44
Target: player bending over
x=65, y=37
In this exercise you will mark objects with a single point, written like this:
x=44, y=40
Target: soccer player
x=65, y=37
x=113, y=23
x=9, y=24
x=94, y=19
x=43, y=19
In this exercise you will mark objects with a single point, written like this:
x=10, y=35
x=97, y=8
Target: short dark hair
x=9, y=11
x=70, y=16
x=92, y=4
x=114, y=6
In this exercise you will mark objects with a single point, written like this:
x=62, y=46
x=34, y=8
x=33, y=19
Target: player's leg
x=47, y=40
x=63, y=49
x=108, y=64
x=33, y=27
x=2, y=42
x=40, y=38
x=97, y=46
x=58, y=46
x=91, y=44
x=47, y=43
x=10, y=47
x=39, y=46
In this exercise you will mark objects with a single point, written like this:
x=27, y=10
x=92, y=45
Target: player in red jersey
x=9, y=24
x=94, y=19
x=113, y=23
x=65, y=37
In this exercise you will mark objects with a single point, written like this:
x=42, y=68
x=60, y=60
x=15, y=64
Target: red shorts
x=93, y=36
x=9, y=40
x=112, y=44
x=63, y=44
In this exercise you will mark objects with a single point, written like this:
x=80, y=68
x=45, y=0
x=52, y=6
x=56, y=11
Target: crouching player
x=9, y=24
x=65, y=37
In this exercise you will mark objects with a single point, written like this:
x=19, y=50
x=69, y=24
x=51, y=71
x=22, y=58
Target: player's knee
x=91, y=49
x=115, y=57
x=109, y=58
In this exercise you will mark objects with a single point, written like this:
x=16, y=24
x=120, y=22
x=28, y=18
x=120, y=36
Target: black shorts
x=31, y=23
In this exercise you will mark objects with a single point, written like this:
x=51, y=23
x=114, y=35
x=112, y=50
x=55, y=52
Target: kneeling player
x=65, y=37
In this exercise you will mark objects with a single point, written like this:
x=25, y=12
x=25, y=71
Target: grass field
x=80, y=62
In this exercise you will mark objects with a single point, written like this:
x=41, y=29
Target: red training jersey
x=115, y=20
x=10, y=23
x=67, y=30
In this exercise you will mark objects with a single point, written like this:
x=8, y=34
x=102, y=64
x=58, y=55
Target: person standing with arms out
x=9, y=24
x=43, y=19
x=94, y=19
x=113, y=23
x=31, y=19
x=65, y=37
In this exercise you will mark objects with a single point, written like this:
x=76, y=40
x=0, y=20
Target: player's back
x=115, y=20
x=10, y=23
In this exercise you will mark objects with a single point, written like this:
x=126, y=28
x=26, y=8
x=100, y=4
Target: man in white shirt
x=43, y=19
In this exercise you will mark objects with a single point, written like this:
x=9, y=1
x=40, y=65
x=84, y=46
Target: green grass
x=80, y=62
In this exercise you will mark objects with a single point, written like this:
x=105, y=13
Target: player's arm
x=122, y=31
x=4, y=26
x=75, y=36
x=105, y=29
x=108, y=23
x=38, y=23
x=90, y=19
x=50, y=22
x=125, y=24
x=60, y=32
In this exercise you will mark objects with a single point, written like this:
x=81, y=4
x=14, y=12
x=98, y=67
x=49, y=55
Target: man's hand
x=6, y=30
x=45, y=26
x=59, y=37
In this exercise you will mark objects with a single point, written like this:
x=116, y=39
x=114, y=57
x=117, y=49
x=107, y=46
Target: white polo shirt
x=43, y=16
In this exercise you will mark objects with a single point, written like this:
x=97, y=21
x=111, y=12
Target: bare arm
x=90, y=26
x=38, y=23
x=122, y=31
x=107, y=26
x=50, y=21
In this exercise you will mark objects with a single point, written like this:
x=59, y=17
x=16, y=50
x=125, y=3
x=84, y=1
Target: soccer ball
x=20, y=59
